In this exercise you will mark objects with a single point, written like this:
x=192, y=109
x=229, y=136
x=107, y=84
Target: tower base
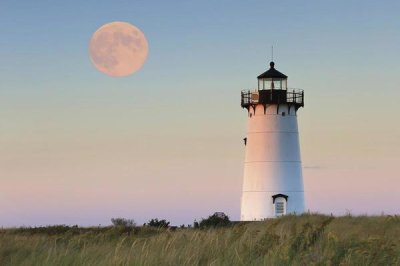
x=257, y=206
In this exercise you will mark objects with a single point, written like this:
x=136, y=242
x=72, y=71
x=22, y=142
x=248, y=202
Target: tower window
x=279, y=208
x=283, y=113
x=280, y=202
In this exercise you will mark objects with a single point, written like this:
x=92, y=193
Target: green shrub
x=218, y=219
x=158, y=223
x=122, y=225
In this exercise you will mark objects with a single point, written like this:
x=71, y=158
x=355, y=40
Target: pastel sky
x=80, y=147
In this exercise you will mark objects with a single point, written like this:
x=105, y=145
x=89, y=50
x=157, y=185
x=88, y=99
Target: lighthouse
x=272, y=181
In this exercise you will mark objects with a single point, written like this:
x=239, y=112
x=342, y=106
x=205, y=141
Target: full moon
x=118, y=49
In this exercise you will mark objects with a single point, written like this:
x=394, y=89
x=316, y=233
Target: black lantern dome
x=272, y=79
x=272, y=73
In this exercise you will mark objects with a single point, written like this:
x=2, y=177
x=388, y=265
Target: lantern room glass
x=270, y=83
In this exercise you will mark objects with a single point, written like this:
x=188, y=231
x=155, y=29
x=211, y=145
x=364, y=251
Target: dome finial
x=272, y=64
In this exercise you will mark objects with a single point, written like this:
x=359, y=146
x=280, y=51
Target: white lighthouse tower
x=273, y=181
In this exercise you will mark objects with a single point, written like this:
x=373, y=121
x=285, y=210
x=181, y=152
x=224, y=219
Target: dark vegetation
x=308, y=239
x=218, y=219
x=158, y=223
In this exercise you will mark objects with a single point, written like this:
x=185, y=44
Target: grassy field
x=290, y=240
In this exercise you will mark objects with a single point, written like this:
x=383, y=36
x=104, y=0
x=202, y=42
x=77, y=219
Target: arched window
x=280, y=202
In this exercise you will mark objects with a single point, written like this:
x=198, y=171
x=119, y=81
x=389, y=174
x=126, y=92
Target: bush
x=122, y=222
x=123, y=225
x=196, y=224
x=158, y=223
x=218, y=219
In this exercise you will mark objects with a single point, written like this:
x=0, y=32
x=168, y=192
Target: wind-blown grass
x=290, y=240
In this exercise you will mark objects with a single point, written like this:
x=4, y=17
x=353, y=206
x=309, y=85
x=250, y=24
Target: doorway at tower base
x=257, y=206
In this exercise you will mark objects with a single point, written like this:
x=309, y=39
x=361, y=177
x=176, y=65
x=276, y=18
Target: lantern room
x=272, y=79
x=272, y=89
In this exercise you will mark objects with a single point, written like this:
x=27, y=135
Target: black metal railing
x=289, y=96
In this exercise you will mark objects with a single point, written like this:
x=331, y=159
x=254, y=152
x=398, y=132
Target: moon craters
x=118, y=49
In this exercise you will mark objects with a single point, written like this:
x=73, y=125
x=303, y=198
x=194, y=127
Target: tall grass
x=290, y=240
